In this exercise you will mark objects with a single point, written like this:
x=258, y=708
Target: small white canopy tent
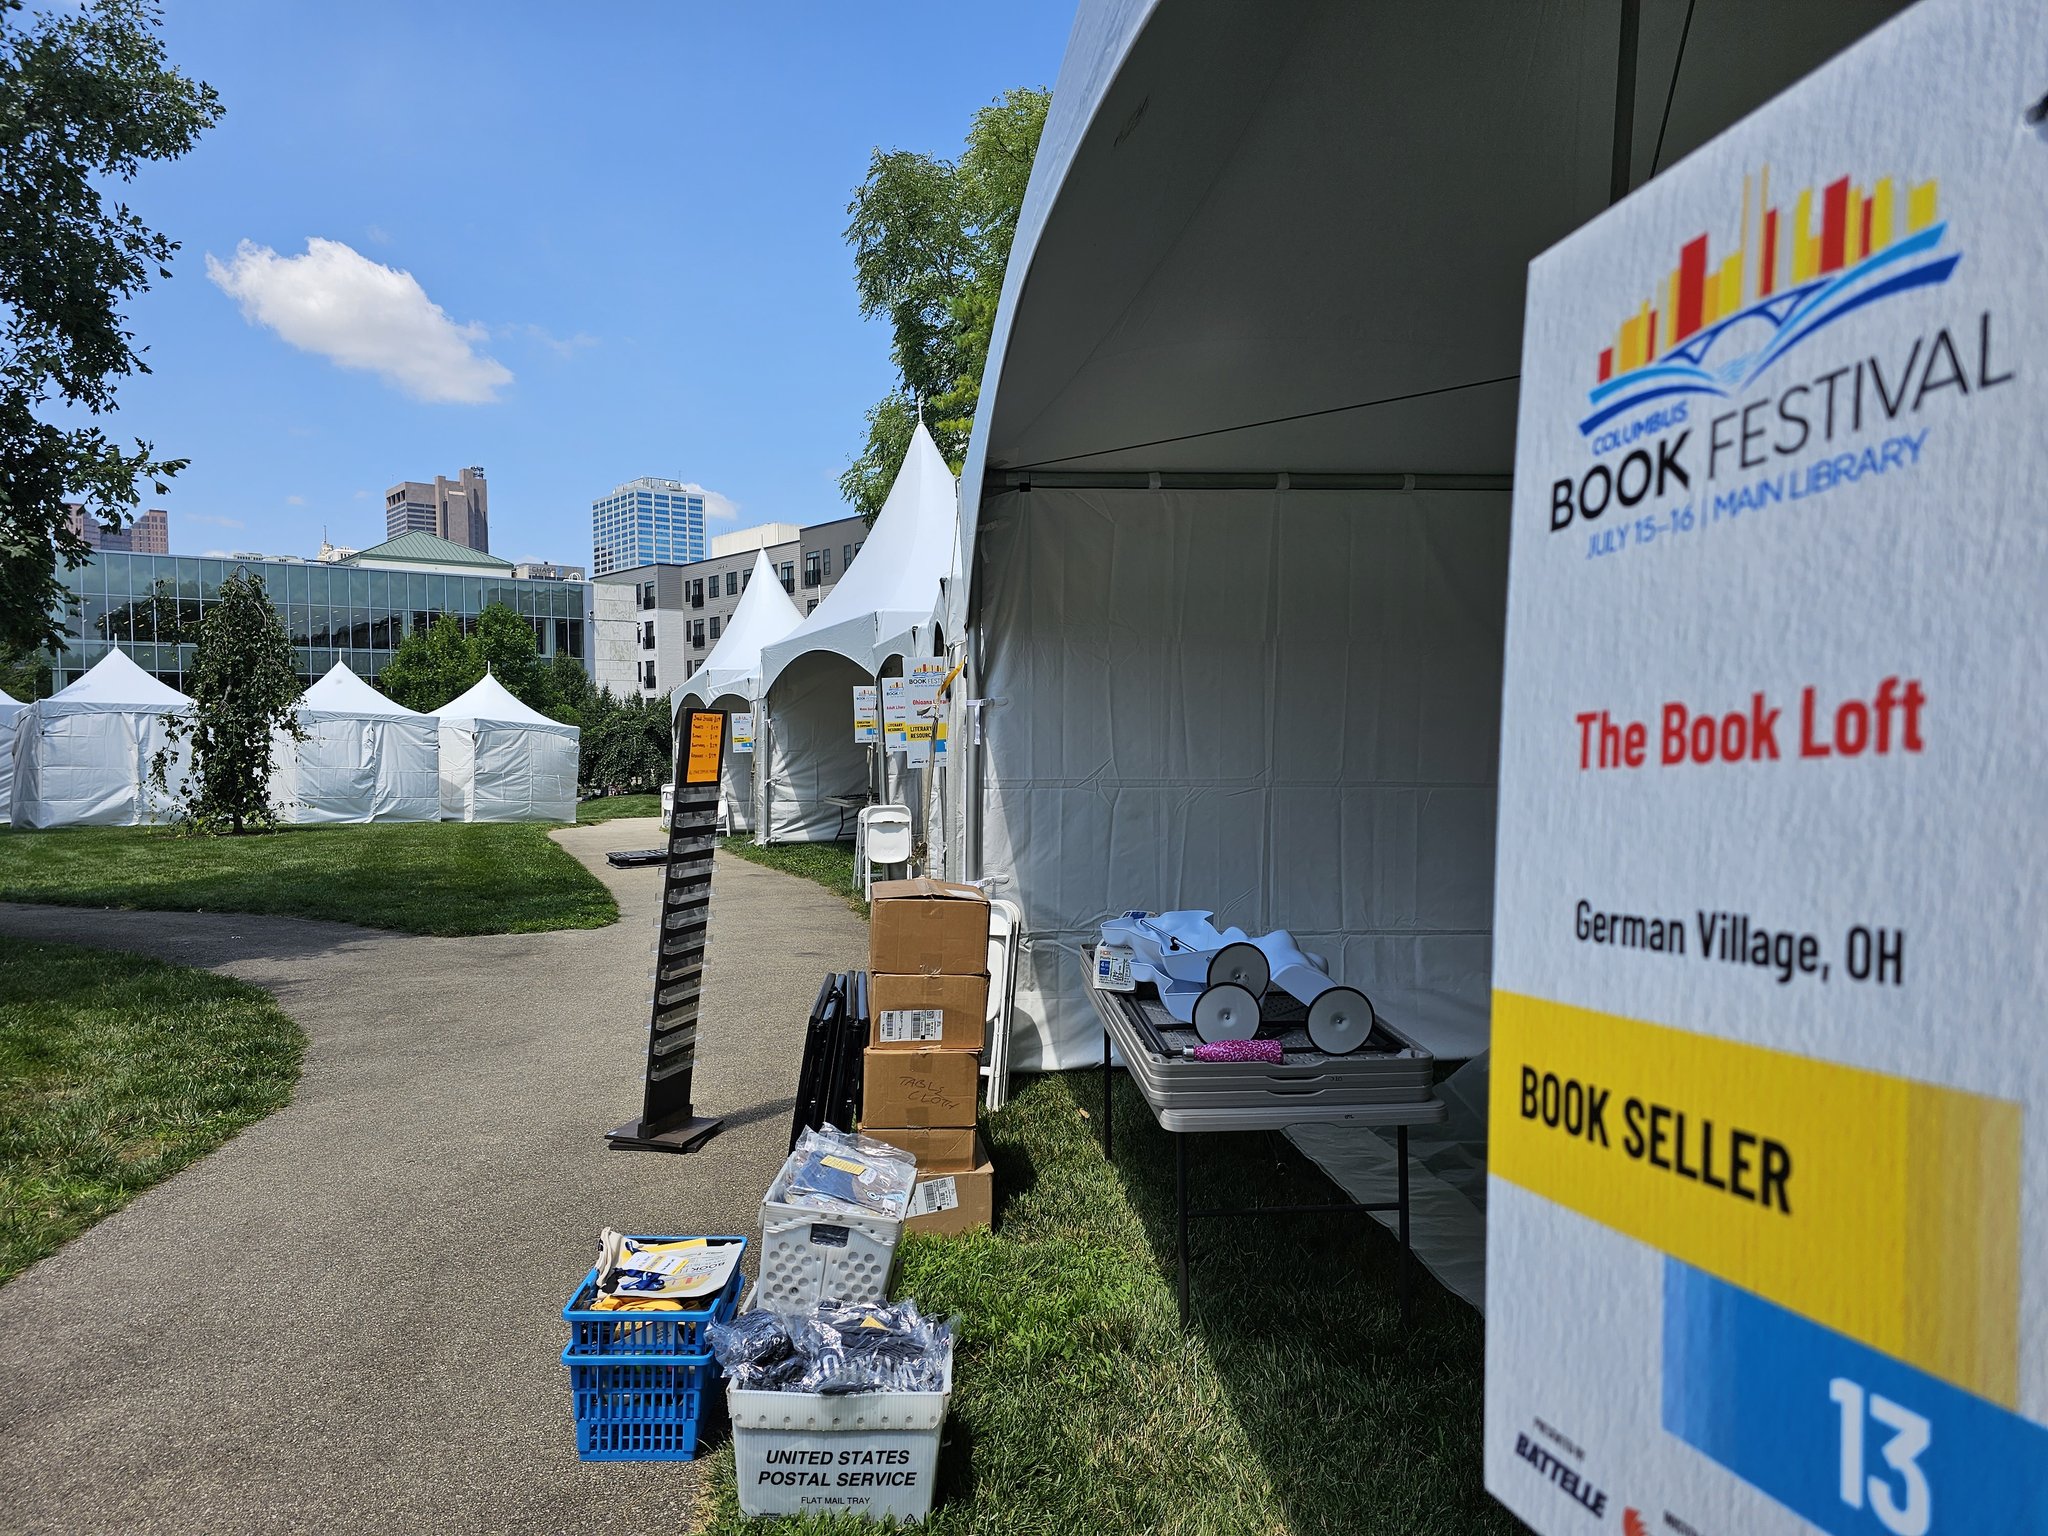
x=501, y=761
x=82, y=756
x=364, y=757
x=1235, y=512
x=10, y=711
x=731, y=675
x=880, y=611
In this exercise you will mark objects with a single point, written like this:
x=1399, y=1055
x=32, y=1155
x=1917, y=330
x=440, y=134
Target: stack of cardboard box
x=928, y=1002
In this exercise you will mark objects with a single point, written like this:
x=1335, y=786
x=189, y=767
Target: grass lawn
x=417, y=877
x=1295, y=1403
x=612, y=807
x=115, y=1072
x=829, y=864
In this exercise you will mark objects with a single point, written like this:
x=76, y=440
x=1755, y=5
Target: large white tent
x=82, y=756
x=501, y=761
x=880, y=612
x=10, y=711
x=363, y=757
x=1235, y=512
x=731, y=675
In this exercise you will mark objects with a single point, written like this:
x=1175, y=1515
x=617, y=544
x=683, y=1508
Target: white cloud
x=209, y=519
x=561, y=346
x=715, y=505
x=357, y=313
x=362, y=495
x=295, y=501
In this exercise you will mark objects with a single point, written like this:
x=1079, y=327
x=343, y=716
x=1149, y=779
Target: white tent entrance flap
x=810, y=754
x=1279, y=705
x=10, y=712
x=501, y=761
x=82, y=756
x=363, y=757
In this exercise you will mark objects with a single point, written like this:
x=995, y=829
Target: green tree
x=430, y=666
x=244, y=684
x=570, y=693
x=930, y=239
x=25, y=674
x=86, y=99
x=626, y=745
x=503, y=644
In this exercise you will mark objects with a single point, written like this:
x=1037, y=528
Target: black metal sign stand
x=668, y=1122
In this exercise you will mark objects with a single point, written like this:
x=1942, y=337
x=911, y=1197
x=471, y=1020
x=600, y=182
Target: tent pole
x=1622, y=163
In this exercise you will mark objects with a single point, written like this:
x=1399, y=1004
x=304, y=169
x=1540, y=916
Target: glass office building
x=333, y=612
x=646, y=522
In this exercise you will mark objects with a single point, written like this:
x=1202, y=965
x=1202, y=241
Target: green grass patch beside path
x=828, y=864
x=115, y=1072
x=417, y=877
x=1296, y=1402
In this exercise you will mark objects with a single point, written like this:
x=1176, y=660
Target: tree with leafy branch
x=87, y=99
x=931, y=239
x=244, y=686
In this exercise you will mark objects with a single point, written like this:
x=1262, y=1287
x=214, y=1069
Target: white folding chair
x=884, y=839
x=1005, y=932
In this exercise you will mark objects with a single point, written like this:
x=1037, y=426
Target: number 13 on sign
x=1911, y=1434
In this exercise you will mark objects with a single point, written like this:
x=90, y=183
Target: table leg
x=1108, y=1147
x=1180, y=1192
x=1401, y=1178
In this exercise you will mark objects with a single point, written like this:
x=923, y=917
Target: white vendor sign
x=1768, y=1220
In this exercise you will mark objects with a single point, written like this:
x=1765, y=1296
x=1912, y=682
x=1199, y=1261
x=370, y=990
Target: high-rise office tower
x=646, y=522
x=458, y=510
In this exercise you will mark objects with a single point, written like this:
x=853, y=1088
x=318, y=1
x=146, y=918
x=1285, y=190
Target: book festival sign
x=1768, y=1203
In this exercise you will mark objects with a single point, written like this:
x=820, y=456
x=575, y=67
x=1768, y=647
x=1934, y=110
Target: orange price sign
x=707, y=743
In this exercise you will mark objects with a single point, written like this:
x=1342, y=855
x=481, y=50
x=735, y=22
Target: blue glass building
x=646, y=522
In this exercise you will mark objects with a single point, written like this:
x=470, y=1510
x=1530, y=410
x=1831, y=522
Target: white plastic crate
x=809, y=1256
x=872, y=1454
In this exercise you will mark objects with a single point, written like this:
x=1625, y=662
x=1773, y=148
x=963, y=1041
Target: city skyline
x=567, y=297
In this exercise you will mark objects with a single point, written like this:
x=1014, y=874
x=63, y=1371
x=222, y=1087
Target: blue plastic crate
x=633, y=1408
x=663, y=1333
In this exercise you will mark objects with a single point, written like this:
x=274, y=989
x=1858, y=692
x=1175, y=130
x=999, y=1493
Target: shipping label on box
x=955, y=1202
x=920, y=1087
x=927, y=927
x=910, y=1011
x=938, y=1149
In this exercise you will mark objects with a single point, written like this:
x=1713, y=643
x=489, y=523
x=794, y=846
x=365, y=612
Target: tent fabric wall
x=810, y=748
x=363, y=757
x=1282, y=706
x=10, y=712
x=501, y=761
x=82, y=756
x=735, y=769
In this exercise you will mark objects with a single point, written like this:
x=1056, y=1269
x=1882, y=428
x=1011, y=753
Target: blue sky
x=629, y=217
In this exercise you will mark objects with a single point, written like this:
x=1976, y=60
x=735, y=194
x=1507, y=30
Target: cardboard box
x=955, y=1202
x=912, y=1011
x=927, y=927
x=938, y=1149
x=920, y=1088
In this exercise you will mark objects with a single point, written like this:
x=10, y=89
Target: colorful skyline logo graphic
x=1712, y=327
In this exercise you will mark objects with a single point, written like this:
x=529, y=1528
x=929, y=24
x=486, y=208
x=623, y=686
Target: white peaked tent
x=1235, y=512
x=10, y=711
x=82, y=756
x=364, y=757
x=765, y=616
x=731, y=674
x=501, y=761
x=881, y=610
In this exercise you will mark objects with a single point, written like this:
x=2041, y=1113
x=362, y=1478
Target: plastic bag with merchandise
x=843, y=1174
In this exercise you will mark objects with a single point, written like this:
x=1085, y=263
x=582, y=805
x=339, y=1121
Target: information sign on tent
x=743, y=732
x=1766, y=1247
x=896, y=713
x=867, y=715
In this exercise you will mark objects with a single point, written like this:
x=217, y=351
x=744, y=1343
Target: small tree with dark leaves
x=245, y=688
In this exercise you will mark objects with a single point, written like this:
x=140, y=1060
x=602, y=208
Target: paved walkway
x=348, y=1318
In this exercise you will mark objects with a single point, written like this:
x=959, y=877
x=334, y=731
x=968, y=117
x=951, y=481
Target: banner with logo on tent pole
x=867, y=715
x=742, y=733
x=1768, y=1208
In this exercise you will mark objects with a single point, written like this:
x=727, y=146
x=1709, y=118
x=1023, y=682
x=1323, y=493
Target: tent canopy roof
x=341, y=692
x=888, y=590
x=1293, y=237
x=765, y=615
x=491, y=701
x=115, y=682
